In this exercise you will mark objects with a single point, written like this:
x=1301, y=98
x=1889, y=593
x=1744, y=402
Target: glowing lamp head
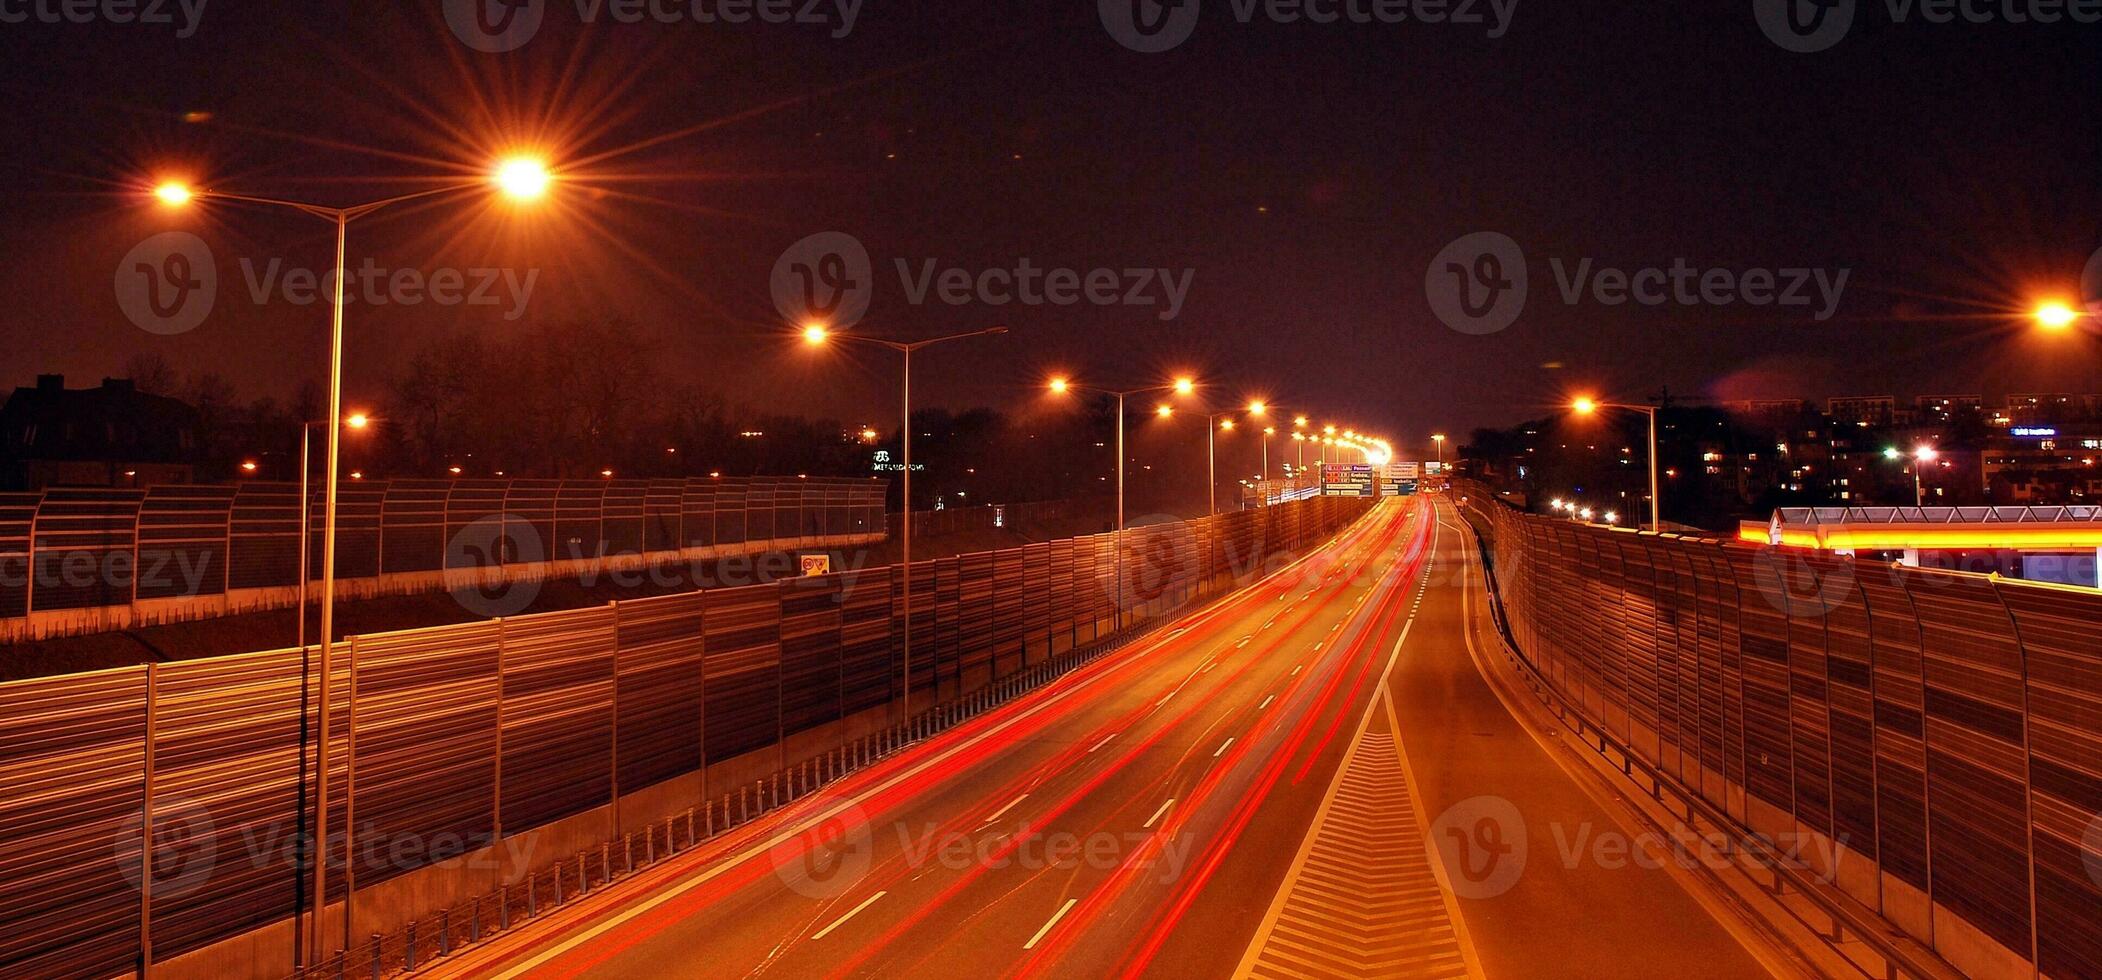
x=1258, y=408
x=1584, y=406
x=1226, y=425
x=174, y=194
x=1060, y=386
x=1926, y=454
x=1184, y=386
x=1268, y=431
x=523, y=178
x=1892, y=453
x=815, y=334
x=1300, y=422
x=2056, y=316
x=1437, y=438
x=1164, y=411
x=358, y=421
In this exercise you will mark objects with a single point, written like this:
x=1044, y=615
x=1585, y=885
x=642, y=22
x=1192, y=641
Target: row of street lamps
x=521, y=179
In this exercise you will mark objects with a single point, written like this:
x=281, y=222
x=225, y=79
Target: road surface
x=1250, y=792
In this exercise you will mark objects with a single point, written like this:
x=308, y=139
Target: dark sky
x=1304, y=175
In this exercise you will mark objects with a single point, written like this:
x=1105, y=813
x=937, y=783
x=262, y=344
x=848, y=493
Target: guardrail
x=79, y=560
x=1939, y=732
x=457, y=742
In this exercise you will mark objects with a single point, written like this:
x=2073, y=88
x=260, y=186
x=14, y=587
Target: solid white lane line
x=842, y=920
x=1164, y=700
x=1222, y=747
x=1266, y=702
x=1003, y=810
x=1208, y=667
x=1040, y=933
x=1105, y=741
x=1157, y=814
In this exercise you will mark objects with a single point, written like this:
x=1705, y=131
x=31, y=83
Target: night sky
x=1303, y=175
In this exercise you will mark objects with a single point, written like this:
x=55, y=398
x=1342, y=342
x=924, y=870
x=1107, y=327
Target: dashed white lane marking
x=1244, y=642
x=1317, y=646
x=1222, y=747
x=1296, y=670
x=1270, y=624
x=1157, y=814
x=1105, y=741
x=1266, y=702
x=1003, y=810
x=1164, y=700
x=1041, y=933
x=842, y=920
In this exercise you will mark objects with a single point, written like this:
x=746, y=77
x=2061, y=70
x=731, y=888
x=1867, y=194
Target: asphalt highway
x=1250, y=791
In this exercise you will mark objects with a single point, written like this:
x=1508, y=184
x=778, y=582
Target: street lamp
x=1920, y=458
x=359, y=421
x=1587, y=406
x=2055, y=316
x=817, y=335
x=1440, y=440
x=519, y=178
x=1181, y=386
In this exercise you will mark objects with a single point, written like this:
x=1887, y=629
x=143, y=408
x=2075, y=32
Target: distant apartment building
x=1863, y=409
x=2030, y=408
x=112, y=435
x=1944, y=408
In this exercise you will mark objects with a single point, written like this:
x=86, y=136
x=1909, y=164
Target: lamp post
x=518, y=178
x=1587, y=406
x=1181, y=386
x=1920, y=458
x=306, y=512
x=817, y=335
x=1440, y=441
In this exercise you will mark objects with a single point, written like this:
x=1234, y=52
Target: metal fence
x=77, y=550
x=468, y=734
x=1944, y=729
